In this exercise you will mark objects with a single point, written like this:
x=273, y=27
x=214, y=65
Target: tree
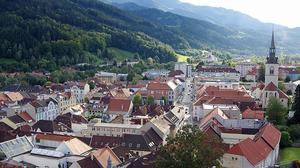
x=276, y=111
x=287, y=79
x=190, y=148
x=296, y=106
x=281, y=86
x=294, y=132
x=92, y=85
x=285, y=140
x=150, y=100
x=165, y=99
x=137, y=100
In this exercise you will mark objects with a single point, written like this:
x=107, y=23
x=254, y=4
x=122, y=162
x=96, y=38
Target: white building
x=184, y=67
x=111, y=129
x=244, y=68
x=43, y=109
x=80, y=90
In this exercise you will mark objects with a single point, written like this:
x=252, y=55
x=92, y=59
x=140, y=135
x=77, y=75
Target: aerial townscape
x=145, y=84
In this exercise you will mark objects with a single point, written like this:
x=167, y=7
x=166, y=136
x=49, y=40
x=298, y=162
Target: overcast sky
x=284, y=12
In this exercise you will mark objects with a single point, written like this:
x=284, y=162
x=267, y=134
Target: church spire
x=272, y=59
x=273, y=41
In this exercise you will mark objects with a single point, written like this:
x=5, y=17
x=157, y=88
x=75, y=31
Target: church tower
x=272, y=66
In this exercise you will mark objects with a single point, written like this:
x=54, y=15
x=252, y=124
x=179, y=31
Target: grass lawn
x=120, y=55
x=181, y=58
x=289, y=154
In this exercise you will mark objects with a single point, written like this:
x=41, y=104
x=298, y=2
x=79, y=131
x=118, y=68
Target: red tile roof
x=158, y=86
x=251, y=114
x=258, y=149
x=25, y=116
x=53, y=137
x=271, y=87
x=249, y=150
x=270, y=134
x=117, y=105
x=282, y=94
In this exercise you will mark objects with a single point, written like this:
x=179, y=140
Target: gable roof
x=104, y=154
x=271, y=87
x=119, y=105
x=14, y=96
x=248, y=149
x=75, y=146
x=251, y=114
x=158, y=86
x=270, y=134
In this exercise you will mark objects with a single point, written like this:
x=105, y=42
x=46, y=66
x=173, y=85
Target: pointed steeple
x=273, y=41
x=272, y=59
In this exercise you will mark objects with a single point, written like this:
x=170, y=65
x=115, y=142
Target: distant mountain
x=287, y=39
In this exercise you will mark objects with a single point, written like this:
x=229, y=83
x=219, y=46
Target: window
x=138, y=145
x=130, y=145
x=271, y=70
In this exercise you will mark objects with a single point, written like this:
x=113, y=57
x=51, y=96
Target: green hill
x=46, y=34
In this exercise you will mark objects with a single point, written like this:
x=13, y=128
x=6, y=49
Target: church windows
x=271, y=70
x=266, y=94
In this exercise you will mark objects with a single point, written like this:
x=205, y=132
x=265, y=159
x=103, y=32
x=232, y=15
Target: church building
x=264, y=91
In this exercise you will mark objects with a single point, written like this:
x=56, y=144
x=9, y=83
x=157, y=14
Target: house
x=253, y=114
x=64, y=155
x=120, y=93
x=79, y=89
x=261, y=151
x=46, y=140
x=231, y=100
x=106, y=77
x=222, y=73
x=156, y=73
x=118, y=106
x=111, y=129
x=47, y=126
x=244, y=68
x=169, y=90
x=47, y=109
x=73, y=147
x=66, y=100
x=76, y=122
x=101, y=158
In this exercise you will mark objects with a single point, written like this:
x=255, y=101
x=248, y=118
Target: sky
x=283, y=12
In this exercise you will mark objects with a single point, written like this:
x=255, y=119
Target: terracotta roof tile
x=249, y=150
x=271, y=87
x=119, y=105
x=251, y=114
x=158, y=86
x=25, y=116
x=53, y=137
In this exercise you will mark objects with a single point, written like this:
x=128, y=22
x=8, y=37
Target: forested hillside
x=46, y=34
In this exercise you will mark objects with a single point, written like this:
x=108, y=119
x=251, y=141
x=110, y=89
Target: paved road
x=187, y=97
